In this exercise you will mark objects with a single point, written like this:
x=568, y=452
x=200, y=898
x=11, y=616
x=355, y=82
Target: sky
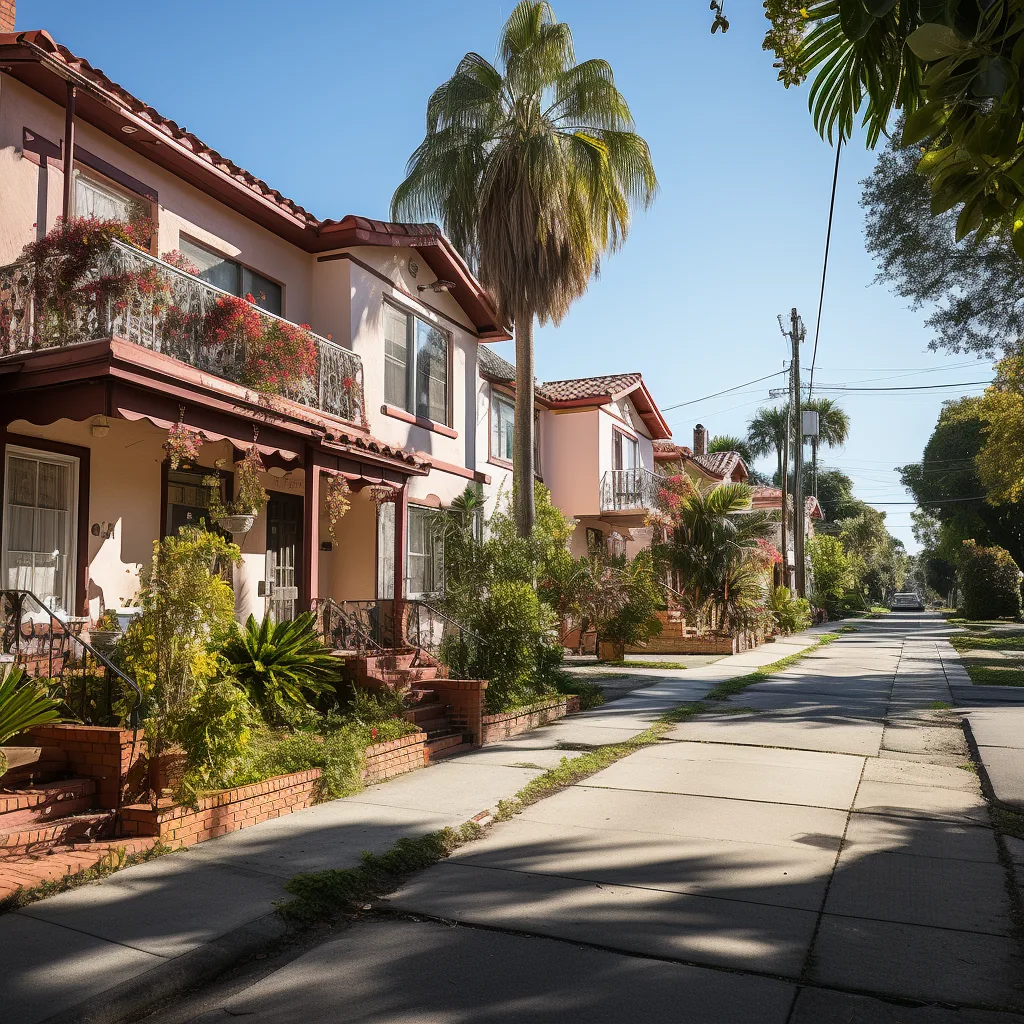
x=326, y=100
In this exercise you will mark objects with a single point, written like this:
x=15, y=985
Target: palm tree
x=714, y=535
x=730, y=443
x=534, y=169
x=766, y=433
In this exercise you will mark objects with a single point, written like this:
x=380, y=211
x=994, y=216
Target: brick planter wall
x=105, y=754
x=465, y=701
x=224, y=812
x=511, y=723
x=395, y=757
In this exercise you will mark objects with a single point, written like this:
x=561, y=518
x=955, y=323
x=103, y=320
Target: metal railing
x=365, y=627
x=93, y=688
x=623, y=489
x=443, y=638
x=146, y=301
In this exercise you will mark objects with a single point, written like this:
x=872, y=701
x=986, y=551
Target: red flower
x=373, y=734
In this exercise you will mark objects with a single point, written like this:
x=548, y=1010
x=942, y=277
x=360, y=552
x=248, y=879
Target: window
x=503, y=413
x=625, y=451
x=39, y=535
x=188, y=498
x=415, y=365
x=426, y=555
x=95, y=198
x=503, y=416
x=595, y=540
x=231, y=276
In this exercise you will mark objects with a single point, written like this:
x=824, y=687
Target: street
x=817, y=850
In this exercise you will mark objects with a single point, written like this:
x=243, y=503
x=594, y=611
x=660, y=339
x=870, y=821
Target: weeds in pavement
x=969, y=766
x=321, y=895
x=730, y=687
x=1010, y=823
x=940, y=705
x=667, y=665
x=114, y=860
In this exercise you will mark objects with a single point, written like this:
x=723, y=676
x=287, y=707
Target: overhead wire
x=824, y=264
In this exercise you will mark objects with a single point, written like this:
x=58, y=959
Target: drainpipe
x=69, y=149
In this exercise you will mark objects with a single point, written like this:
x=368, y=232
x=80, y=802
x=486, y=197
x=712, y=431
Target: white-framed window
x=40, y=537
x=415, y=365
x=96, y=197
x=230, y=275
x=425, y=555
x=503, y=415
x=625, y=451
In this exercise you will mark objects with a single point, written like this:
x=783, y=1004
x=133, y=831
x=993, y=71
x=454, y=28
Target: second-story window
x=625, y=451
x=415, y=365
x=503, y=413
x=96, y=197
x=232, y=276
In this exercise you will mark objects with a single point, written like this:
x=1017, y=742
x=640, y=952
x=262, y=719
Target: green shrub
x=635, y=622
x=832, y=569
x=590, y=694
x=509, y=619
x=282, y=666
x=791, y=614
x=24, y=703
x=990, y=580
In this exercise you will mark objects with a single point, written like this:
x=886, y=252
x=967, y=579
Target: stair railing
x=92, y=687
x=360, y=626
x=437, y=633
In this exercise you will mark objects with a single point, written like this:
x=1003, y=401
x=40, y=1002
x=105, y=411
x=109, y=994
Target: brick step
x=425, y=711
x=435, y=726
x=40, y=764
x=447, y=746
x=31, y=869
x=46, y=801
x=20, y=840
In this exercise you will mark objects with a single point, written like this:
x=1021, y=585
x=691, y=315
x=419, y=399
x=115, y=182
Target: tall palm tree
x=766, y=433
x=534, y=169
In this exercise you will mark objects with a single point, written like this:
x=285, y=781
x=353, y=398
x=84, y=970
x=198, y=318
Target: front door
x=39, y=550
x=284, y=554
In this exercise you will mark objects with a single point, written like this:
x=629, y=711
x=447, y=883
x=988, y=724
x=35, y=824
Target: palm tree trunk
x=522, y=431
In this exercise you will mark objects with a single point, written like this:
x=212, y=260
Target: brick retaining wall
x=511, y=723
x=221, y=813
x=395, y=757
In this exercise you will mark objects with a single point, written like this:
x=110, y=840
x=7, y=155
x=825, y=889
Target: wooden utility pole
x=796, y=337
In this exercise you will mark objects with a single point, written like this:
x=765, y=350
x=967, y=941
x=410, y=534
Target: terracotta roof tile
x=583, y=388
x=719, y=464
x=494, y=367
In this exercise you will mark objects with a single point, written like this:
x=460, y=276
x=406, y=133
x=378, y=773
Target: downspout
x=69, y=150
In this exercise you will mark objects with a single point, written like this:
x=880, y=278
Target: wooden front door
x=284, y=554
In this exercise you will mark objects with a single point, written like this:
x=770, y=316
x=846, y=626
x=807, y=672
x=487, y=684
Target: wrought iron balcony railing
x=131, y=295
x=625, y=489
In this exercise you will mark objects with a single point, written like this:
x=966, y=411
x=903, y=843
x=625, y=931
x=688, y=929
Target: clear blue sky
x=325, y=101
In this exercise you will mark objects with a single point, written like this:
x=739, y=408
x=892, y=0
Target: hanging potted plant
x=239, y=515
x=182, y=445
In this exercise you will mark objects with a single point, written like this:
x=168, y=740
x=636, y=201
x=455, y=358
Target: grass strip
x=989, y=675
x=730, y=687
x=672, y=665
x=113, y=860
x=1006, y=642
x=324, y=895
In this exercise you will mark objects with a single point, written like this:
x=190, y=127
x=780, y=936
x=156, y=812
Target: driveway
x=817, y=849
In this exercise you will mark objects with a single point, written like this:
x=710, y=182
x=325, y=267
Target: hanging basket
x=237, y=524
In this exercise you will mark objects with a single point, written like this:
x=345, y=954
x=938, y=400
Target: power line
x=824, y=264
x=840, y=389
x=694, y=401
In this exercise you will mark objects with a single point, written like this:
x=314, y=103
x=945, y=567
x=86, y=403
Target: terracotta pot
x=611, y=650
x=166, y=771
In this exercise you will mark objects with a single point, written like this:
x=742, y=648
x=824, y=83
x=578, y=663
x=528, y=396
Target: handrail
x=623, y=489
x=322, y=606
x=18, y=597
x=436, y=612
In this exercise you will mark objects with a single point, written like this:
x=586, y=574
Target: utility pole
x=794, y=432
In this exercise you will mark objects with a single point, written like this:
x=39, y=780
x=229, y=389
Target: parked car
x=909, y=602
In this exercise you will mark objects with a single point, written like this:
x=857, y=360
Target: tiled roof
x=584, y=388
x=771, y=497
x=366, y=443
x=720, y=464
x=493, y=366
x=666, y=450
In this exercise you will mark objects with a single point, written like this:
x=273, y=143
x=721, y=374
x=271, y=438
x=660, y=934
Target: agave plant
x=282, y=666
x=24, y=703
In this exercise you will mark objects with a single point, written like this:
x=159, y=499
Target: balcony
x=629, y=490
x=129, y=294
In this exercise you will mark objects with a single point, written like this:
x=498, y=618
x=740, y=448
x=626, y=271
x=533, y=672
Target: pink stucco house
x=394, y=401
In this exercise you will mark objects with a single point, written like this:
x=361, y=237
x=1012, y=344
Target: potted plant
x=105, y=634
x=239, y=515
x=337, y=500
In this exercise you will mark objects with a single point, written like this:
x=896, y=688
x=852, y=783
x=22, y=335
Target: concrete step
x=22, y=839
x=46, y=801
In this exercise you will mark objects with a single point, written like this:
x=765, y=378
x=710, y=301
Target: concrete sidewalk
x=814, y=852
x=145, y=932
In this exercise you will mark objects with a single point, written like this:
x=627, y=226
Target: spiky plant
x=534, y=169
x=24, y=703
x=281, y=665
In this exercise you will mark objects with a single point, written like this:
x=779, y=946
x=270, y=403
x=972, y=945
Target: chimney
x=700, y=433
x=6, y=15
